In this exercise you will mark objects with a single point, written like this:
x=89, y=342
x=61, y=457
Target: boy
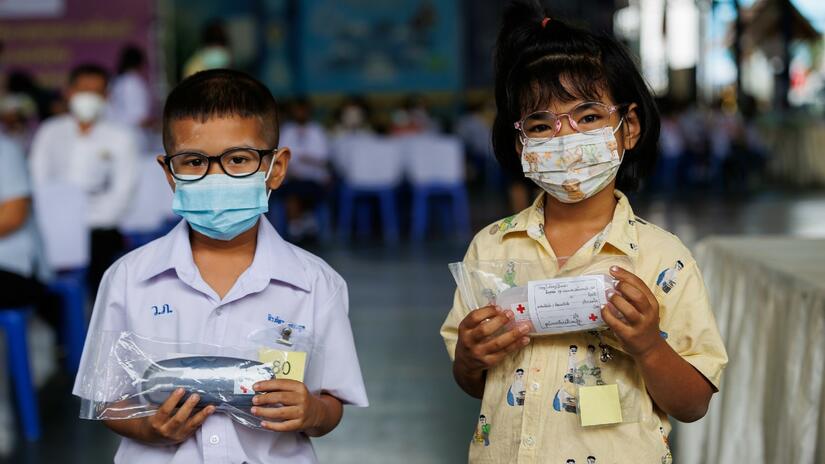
x=224, y=272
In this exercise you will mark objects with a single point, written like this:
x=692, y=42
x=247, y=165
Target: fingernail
x=254, y=410
x=509, y=314
x=195, y=398
x=256, y=400
x=525, y=340
x=610, y=294
x=256, y=386
x=179, y=391
x=614, y=268
x=523, y=329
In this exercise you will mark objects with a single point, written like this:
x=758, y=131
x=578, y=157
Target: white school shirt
x=102, y=162
x=284, y=283
x=129, y=100
x=307, y=142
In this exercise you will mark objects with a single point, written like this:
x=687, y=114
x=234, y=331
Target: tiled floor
x=399, y=297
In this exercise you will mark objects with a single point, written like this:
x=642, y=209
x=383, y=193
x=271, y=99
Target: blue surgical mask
x=220, y=206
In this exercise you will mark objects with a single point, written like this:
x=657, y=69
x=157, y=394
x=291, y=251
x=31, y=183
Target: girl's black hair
x=537, y=63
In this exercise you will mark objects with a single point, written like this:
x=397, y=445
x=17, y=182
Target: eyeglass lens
x=237, y=163
x=584, y=118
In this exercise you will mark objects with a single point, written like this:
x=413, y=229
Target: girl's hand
x=170, y=429
x=633, y=314
x=289, y=404
x=478, y=348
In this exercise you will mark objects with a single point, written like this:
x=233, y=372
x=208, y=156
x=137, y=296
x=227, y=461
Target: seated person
x=308, y=177
x=221, y=275
x=21, y=267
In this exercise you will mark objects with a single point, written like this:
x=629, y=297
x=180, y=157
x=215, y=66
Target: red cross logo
x=520, y=309
x=592, y=317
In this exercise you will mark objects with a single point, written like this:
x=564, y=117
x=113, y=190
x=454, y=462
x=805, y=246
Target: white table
x=768, y=295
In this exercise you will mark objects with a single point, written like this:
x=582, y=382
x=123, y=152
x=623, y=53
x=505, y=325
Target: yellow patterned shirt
x=528, y=412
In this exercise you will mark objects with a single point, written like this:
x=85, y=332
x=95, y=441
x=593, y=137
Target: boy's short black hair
x=537, y=62
x=217, y=93
x=88, y=69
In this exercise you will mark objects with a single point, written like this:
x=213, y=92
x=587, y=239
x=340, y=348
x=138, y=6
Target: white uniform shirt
x=284, y=283
x=309, y=146
x=129, y=100
x=103, y=162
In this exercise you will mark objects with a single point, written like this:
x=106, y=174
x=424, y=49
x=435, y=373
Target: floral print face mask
x=572, y=167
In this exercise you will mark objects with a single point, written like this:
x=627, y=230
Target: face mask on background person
x=572, y=167
x=215, y=58
x=86, y=106
x=220, y=206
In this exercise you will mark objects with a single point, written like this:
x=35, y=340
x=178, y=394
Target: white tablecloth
x=768, y=295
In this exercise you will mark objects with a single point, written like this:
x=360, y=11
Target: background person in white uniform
x=129, y=102
x=309, y=178
x=225, y=273
x=97, y=156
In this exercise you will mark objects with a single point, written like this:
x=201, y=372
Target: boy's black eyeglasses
x=235, y=162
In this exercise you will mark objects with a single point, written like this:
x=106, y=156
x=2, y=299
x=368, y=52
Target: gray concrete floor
x=399, y=297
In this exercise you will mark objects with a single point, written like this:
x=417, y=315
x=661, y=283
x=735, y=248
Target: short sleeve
x=449, y=329
x=688, y=322
x=341, y=376
x=14, y=177
x=100, y=376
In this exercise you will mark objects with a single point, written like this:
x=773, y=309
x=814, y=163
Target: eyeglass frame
x=519, y=125
x=262, y=152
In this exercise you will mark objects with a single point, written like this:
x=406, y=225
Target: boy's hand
x=290, y=404
x=478, y=348
x=164, y=427
x=635, y=303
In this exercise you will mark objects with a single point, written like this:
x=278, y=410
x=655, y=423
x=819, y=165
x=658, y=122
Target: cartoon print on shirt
x=510, y=274
x=667, y=278
x=668, y=457
x=482, y=434
x=564, y=399
x=503, y=226
x=515, y=395
x=570, y=375
x=590, y=367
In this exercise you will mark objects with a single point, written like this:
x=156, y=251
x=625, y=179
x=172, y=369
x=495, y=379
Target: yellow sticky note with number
x=285, y=364
x=599, y=405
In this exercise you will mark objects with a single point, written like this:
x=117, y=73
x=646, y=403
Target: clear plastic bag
x=569, y=301
x=133, y=375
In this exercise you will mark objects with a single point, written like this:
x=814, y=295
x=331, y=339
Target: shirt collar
x=622, y=233
x=274, y=259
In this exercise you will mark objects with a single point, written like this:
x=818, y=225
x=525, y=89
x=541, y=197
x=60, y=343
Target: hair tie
x=544, y=22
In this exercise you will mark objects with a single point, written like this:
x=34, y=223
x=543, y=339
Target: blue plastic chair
x=455, y=215
x=71, y=287
x=348, y=207
x=13, y=323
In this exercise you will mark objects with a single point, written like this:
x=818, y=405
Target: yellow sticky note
x=599, y=405
x=285, y=364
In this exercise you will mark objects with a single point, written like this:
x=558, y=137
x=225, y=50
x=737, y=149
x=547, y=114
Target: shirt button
x=529, y=441
x=535, y=386
x=218, y=311
x=214, y=439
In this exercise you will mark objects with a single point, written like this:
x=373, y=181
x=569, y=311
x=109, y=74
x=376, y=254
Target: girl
x=575, y=117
